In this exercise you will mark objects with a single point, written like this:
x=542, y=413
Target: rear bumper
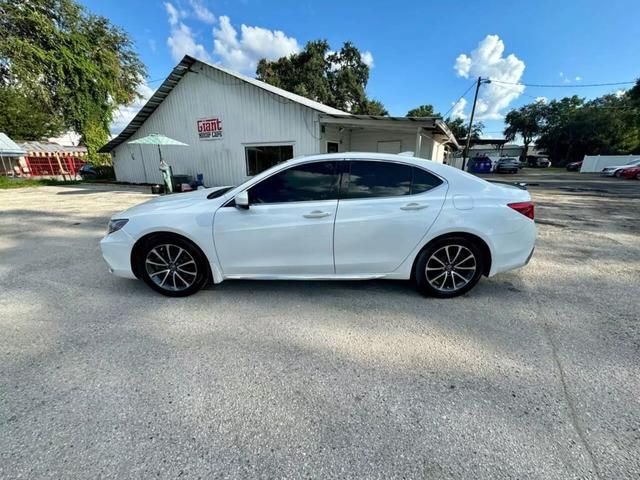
x=116, y=251
x=513, y=250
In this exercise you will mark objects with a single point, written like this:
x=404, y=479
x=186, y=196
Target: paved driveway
x=533, y=374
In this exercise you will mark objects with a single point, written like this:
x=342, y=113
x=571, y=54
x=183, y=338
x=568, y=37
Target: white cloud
x=367, y=58
x=578, y=78
x=543, y=100
x=620, y=93
x=124, y=115
x=458, y=109
x=174, y=14
x=487, y=61
x=201, y=12
x=242, y=54
x=562, y=74
x=182, y=41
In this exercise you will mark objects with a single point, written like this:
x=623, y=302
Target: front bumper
x=116, y=251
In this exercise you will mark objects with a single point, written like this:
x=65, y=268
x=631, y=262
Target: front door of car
x=385, y=209
x=288, y=227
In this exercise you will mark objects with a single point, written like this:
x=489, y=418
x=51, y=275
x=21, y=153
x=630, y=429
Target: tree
x=76, y=65
x=337, y=79
x=24, y=117
x=570, y=128
x=423, y=111
x=526, y=122
x=459, y=128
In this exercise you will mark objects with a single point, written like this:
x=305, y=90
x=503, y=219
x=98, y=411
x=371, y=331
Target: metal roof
x=49, y=147
x=9, y=148
x=176, y=75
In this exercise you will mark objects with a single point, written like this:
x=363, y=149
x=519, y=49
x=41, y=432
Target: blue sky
x=421, y=51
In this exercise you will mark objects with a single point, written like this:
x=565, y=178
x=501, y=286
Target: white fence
x=595, y=163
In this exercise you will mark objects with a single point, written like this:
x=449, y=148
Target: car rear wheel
x=618, y=173
x=172, y=265
x=449, y=267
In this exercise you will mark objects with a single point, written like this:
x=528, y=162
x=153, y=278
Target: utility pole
x=465, y=154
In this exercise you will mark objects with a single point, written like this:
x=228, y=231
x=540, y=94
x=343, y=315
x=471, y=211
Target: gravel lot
x=533, y=374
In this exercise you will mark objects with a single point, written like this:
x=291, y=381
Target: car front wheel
x=172, y=265
x=449, y=267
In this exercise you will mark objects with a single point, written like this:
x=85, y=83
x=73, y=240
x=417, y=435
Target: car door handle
x=413, y=206
x=316, y=214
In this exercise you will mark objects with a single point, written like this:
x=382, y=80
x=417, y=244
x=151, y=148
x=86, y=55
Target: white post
x=418, y=142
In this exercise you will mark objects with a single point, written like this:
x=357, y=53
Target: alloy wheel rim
x=171, y=267
x=450, y=268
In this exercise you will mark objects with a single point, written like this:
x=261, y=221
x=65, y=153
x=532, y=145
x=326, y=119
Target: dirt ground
x=533, y=374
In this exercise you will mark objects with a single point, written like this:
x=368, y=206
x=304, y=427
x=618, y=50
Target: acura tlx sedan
x=340, y=216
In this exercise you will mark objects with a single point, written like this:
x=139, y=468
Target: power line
x=460, y=98
x=564, y=85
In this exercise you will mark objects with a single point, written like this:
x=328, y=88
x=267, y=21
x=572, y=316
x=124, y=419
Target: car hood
x=172, y=202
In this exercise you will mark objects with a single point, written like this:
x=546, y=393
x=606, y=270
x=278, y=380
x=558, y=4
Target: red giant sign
x=210, y=129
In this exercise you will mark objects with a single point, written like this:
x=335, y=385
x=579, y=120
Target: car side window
x=378, y=179
x=423, y=181
x=301, y=183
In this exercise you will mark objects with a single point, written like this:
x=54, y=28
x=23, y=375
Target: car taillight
x=525, y=208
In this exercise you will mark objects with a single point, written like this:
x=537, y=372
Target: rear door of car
x=385, y=209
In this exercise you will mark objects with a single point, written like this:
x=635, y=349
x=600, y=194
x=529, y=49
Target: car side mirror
x=242, y=200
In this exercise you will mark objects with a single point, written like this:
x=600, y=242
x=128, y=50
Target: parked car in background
x=574, y=166
x=538, y=162
x=481, y=164
x=346, y=216
x=633, y=172
x=617, y=169
x=508, y=165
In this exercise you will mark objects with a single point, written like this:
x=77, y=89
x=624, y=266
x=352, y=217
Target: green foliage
x=570, y=128
x=337, y=79
x=425, y=110
x=76, y=65
x=526, y=122
x=459, y=128
x=25, y=117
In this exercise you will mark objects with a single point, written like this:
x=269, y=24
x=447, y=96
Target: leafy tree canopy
x=78, y=67
x=570, y=128
x=423, y=111
x=337, y=79
x=460, y=127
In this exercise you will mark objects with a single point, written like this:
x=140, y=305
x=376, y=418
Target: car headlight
x=117, y=224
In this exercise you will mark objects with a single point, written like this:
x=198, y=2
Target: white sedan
x=329, y=217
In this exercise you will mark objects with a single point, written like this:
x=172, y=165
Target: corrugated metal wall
x=249, y=115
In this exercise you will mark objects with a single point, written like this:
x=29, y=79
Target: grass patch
x=7, y=182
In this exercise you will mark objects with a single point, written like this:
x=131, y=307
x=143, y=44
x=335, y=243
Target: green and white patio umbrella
x=159, y=140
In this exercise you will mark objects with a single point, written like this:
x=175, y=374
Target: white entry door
x=386, y=208
x=288, y=227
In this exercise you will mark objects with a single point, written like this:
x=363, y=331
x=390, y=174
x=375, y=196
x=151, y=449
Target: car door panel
x=288, y=227
x=276, y=239
x=374, y=235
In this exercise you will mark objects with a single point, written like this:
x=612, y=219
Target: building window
x=261, y=158
x=333, y=147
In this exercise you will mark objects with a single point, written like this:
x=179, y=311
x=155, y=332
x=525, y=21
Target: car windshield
x=634, y=162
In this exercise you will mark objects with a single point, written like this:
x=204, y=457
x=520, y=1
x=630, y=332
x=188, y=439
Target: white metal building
x=237, y=126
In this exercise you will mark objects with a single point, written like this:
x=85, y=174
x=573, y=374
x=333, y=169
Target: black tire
x=429, y=287
x=638, y=176
x=618, y=173
x=186, y=269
